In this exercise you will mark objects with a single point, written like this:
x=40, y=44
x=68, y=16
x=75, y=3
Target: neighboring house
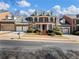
x=21, y=23
x=65, y=27
x=72, y=21
x=6, y=22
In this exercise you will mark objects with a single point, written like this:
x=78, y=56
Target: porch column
x=47, y=26
x=37, y=19
x=43, y=19
x=48, y=19
x=33, y=19
x=69, y=30
x=41, y=27
x=52, y=26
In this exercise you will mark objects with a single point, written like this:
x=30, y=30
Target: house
x=65, y=27
x=42, y=21
x=72, y=21
x=6, y=22
x=21, y=24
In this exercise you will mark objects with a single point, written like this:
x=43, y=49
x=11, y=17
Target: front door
x=44, y=27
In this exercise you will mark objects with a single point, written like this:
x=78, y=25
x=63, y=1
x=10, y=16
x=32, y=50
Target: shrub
x=30, y=30
x=49, y=34
x=35, y=31
x=56, y=28
x=52, y=34
x=76, y=33
x=58, y=32
x=50, y=31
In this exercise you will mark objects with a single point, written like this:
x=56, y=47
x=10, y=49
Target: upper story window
x=77, y=21
x=46, y=19
x=40, y=19
x=51, y=19
x=35, y=19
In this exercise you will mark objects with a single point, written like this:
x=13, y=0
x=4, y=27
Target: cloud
x=4, y=6
x=57, y=8
x=69, y=10
x=24, y=3
x=28, y=12
x=22, y=12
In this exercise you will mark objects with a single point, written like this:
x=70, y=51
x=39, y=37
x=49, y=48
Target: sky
x=29, y=6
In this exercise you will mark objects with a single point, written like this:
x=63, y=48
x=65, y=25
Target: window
x=52, y=19
x=46, y=19
x=38, y=27
x=77, y=28
x=77, y=21
x=50, y=26
x=40, y=19
x=35, y=19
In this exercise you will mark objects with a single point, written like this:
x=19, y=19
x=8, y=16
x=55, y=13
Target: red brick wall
x=71, y=23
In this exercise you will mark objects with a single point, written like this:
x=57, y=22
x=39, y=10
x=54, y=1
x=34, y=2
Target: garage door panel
x=65, y=30
x=7, y=27
x=18, y=28
x=25, y=28
x=21, y=28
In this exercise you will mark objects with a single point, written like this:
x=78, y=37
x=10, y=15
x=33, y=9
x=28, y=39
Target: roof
x=72, y=16
x=42, y=16
x=21, y=23
x=7, y=21
x=3, y=15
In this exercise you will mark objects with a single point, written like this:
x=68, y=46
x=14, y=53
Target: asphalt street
x=34, y=45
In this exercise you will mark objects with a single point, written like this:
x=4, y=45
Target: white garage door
x=25, y=28
x=65, y=31
x=21, y=28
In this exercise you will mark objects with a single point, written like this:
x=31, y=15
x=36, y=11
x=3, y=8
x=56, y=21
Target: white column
x=41, y=27
x=43, y=20
x=47, y=26
x=33, y=19
x=69, y=30
x=37, y=19
x=48, y=19
x=52, y=26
